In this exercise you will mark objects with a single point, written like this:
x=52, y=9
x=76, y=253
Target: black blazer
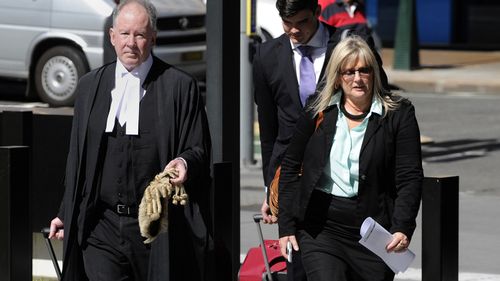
x=390, y=168
x=276, y=93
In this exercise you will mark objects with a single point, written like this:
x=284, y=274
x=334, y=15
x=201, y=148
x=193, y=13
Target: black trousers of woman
x=328, y=239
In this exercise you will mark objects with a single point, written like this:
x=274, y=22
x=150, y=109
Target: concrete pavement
x=445, y=71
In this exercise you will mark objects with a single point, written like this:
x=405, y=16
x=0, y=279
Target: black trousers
x=115, y=250
x=328, y=240
x=295, y=270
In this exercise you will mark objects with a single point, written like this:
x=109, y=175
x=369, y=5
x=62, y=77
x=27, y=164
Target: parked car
x=52, y=43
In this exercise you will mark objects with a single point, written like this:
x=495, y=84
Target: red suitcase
x=265, y=263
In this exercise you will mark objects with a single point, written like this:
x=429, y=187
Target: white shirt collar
x=127, y=95
x=318, y=40
x=141, y=71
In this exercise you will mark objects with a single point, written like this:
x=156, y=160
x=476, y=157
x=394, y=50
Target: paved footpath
x=446, y=71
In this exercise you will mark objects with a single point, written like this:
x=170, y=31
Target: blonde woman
x=362, y=160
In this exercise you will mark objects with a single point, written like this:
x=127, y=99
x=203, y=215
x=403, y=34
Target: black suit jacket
x=390, y=169
x=276, y=93
x=182, y=132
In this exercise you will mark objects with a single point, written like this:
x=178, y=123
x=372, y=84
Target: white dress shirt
x=319, y=41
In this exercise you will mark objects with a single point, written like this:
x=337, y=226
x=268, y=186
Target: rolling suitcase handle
x=45, y=231
x=257, y=218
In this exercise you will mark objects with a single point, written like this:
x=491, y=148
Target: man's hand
x=180, y=166
x=56, y=229
x=266, y=213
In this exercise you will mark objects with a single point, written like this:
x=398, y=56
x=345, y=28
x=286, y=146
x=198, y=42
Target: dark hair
x=289, y=8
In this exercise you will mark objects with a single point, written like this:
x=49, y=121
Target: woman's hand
x=284, y=241
x=266, y=213
x=399, y=243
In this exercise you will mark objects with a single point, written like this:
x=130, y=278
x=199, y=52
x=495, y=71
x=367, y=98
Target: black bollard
x=15, y=237
x=440, y=229
x=16, y=128
x=226, y=212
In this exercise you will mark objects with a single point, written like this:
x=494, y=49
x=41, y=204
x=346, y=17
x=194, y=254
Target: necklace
x=349, y=115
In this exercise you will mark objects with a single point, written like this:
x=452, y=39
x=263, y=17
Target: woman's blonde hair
x=348, y=52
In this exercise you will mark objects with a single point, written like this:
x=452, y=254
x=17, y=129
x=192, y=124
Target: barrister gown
x=182, y=131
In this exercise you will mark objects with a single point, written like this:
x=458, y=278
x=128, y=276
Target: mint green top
x=341, y=174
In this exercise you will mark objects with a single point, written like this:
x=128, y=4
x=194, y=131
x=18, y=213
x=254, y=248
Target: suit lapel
x=86, y=108
x=328, y=128
x=373, y=125
x=284, y=54
x=96, y=119
x=104, y=90
x=108, y=72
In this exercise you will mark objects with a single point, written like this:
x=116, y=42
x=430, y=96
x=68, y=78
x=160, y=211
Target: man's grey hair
x=150, y=9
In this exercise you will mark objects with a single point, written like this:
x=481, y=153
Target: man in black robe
x=133, y=119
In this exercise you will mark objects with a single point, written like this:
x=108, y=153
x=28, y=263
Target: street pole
x=223, y=114
x=247, y=29
x=406, y=43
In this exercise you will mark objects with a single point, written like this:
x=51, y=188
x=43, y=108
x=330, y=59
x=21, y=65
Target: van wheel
x=57, y=73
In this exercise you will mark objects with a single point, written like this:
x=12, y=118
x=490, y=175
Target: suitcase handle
x=45, y=232
x=257, y=218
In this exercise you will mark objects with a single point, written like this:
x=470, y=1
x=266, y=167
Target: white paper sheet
x=375, y=238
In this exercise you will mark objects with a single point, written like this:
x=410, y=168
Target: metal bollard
x=406, y=56
x=15, y=238
x=440, y=229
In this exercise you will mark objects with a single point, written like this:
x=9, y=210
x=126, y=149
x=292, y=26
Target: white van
x=52, y=43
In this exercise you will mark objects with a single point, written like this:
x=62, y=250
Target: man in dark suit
x=280, y=93
x=276, y=76
x=277, y=80
x=134, y=118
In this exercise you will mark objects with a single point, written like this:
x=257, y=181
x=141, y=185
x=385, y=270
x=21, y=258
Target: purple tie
x=307, y=74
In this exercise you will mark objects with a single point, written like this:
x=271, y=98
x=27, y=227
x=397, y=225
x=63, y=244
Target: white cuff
x=183, y=161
